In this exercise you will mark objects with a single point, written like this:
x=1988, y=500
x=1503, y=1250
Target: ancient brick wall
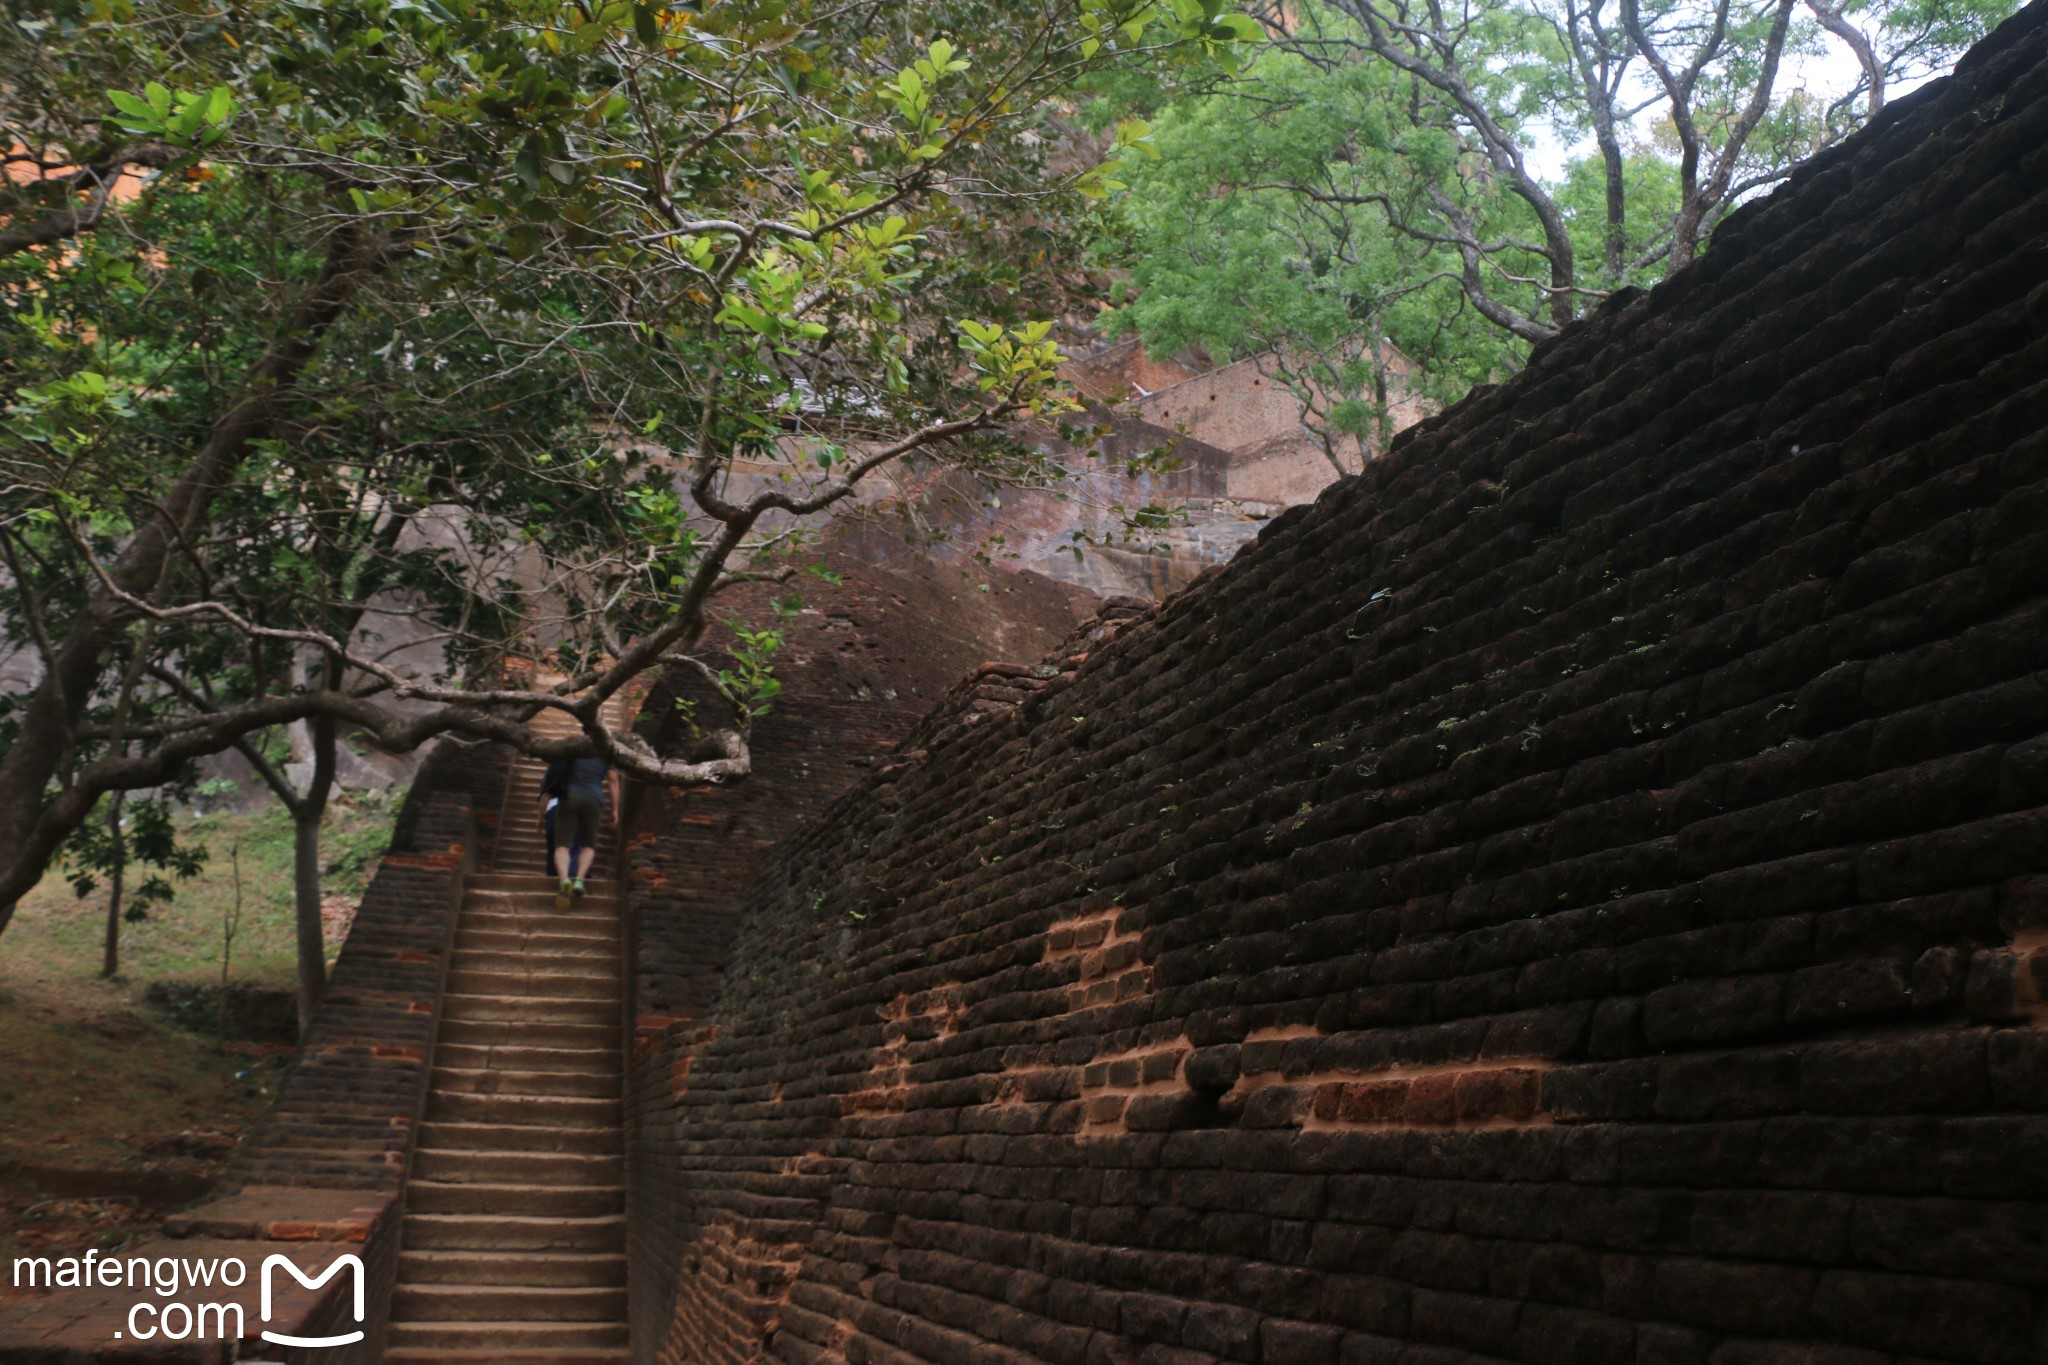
x=860, y=667
x=1575, y=894
x=344, y=1116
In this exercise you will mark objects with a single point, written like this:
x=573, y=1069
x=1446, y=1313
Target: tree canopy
x=1381, y=171
x=472, y=314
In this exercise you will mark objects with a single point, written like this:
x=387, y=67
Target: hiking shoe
x=576, y=888
x=565, y=893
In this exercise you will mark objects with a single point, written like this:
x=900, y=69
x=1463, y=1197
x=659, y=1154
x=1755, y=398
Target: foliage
x=1259, y=267
x=749, y=684
x=148, y=836
x=1374, y=174
x=439, y=327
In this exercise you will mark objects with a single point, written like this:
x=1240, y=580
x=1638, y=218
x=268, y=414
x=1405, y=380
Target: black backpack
x=555, y=781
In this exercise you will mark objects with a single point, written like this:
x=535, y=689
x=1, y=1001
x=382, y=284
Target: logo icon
x=334, y=1268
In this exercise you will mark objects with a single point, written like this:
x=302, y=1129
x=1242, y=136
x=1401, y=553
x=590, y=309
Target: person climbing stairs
x=514, y=1235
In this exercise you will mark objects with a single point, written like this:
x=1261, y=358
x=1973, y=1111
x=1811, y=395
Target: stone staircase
x=514, y=1236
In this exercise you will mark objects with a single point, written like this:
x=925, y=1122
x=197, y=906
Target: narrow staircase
x=514, y=1238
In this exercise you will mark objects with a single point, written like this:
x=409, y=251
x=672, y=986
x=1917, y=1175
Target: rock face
x=1574, y=894
x=1076, y=533
x=1240, y=455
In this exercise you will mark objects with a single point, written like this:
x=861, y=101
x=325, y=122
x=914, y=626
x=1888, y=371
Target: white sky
x=1826, y=74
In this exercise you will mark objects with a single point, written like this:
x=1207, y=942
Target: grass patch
x=56, y=937
x=92, y=1079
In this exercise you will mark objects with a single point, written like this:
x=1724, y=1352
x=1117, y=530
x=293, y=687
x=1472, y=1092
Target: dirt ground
x=110, y=1113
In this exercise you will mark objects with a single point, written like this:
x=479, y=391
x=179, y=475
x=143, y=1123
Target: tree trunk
x=306, y=817
x=1382, y=413
x=110, y=960
x=60, y=701
x=1617, y=203
x=1866, y=56
x=1685, y=230
x=312, y=939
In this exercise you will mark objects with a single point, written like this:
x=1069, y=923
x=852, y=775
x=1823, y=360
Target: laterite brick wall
x=344, y=1116
x=860, y=666
x=1574, y=894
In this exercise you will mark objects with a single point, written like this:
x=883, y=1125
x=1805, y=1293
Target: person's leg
x=584, y=814
x=547, y=860
x=565, y=885
x=561, y=836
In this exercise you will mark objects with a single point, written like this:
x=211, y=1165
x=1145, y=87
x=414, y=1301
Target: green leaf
x=134, y=108
x=645, y=26
x=527, y=165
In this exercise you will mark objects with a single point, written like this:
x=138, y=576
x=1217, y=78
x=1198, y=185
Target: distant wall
x=1118, y=372
x=1578, y=893
x=1243, y=409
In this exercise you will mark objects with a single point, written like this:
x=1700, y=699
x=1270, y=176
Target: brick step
x=519, y=1137
x=519, y=859
x=526, y=1033
x=537, y=859
x=455, y=1165
x=527, y=1009
x=527, y=837
x=435, y=1355
x=508, y=1303
x=532, y=881
x=532, y=983
x=546, y=1111
x=541, y=1201
x=539, y=901
x=493, y=1338
x=511, y=1267
x=510, y=1232
x=500, y=1080
x=595, y=962
x=583, y=1061
x=539, y=916
x=519, y=856
x=524, y=942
